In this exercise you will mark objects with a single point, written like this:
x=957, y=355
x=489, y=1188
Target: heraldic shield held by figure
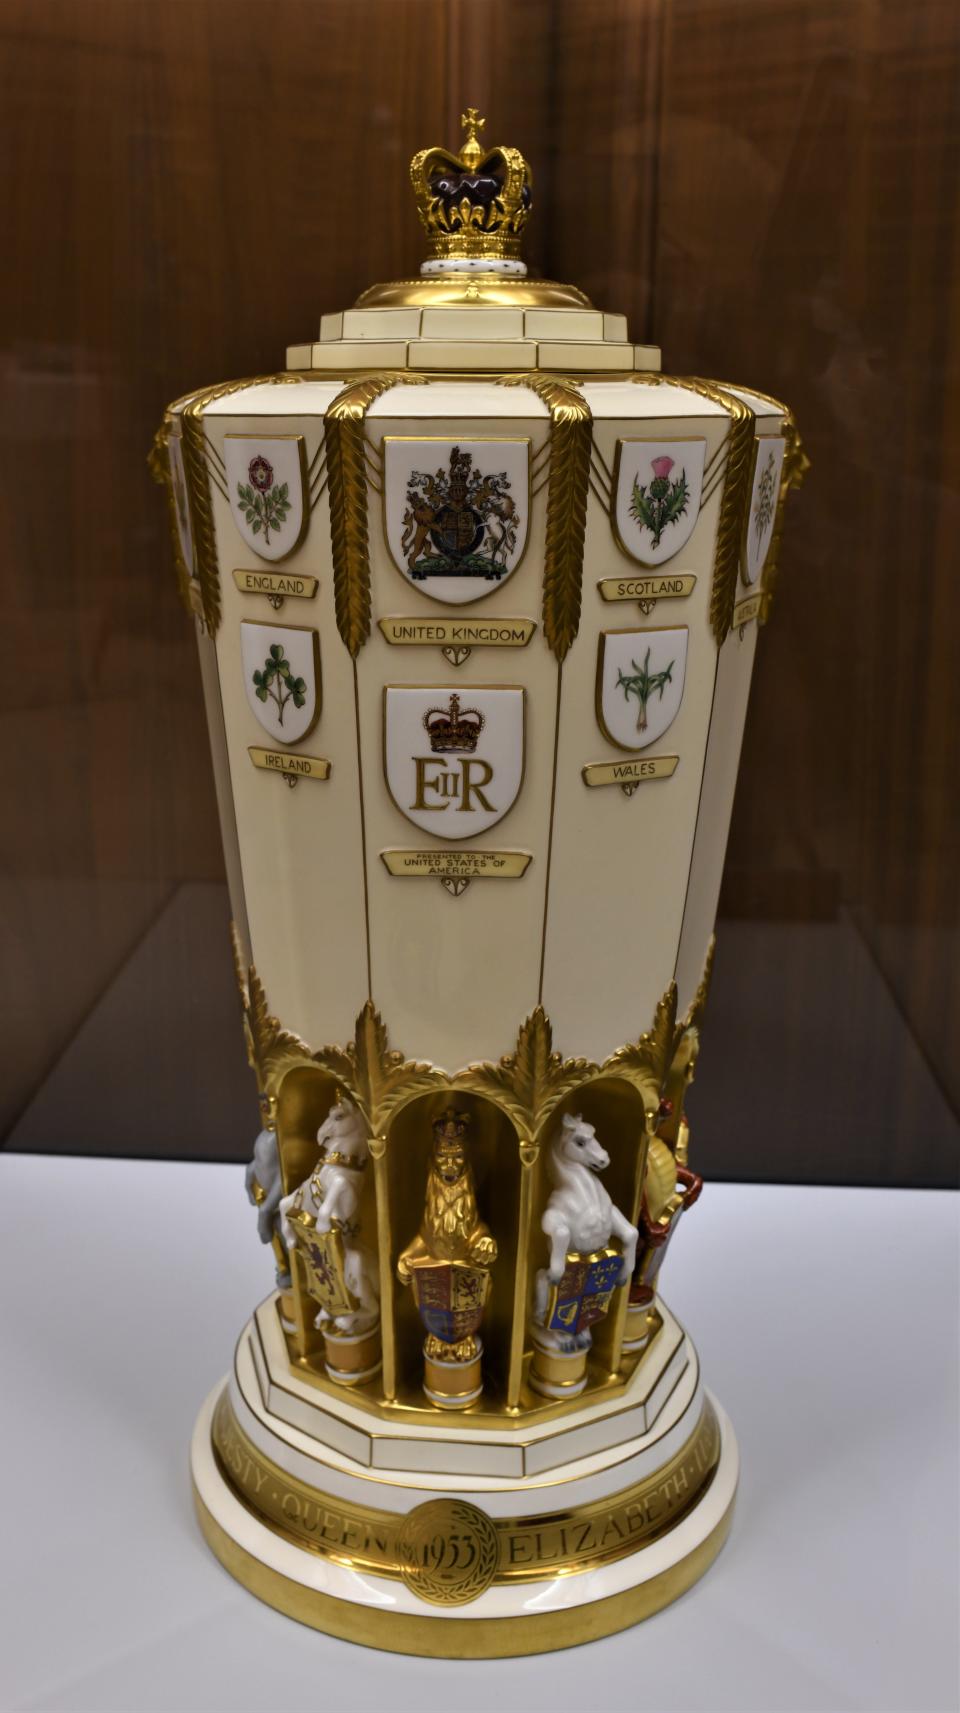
x=477, y=589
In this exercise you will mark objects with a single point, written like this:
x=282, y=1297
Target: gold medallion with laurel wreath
x=448, y=1552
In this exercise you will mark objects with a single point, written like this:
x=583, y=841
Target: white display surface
x=826, y=1320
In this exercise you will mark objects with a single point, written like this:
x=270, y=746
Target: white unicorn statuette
x=331, y=1199
x=579, y=1217
x=264, y=1189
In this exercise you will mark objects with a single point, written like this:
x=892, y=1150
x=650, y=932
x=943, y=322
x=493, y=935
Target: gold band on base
x=569, y=1540
x=460, y=1638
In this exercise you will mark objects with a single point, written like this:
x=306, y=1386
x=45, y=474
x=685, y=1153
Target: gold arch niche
x=305, y=1097
x=494, y=1155
x=624, y=1116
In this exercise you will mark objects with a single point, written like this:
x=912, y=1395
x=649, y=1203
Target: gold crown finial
x=475, y=204
x=470, y=150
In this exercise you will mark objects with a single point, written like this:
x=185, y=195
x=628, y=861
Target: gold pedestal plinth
x=352, y=1359
x=641, y=1319
x=556, y=1373
x=452, y=1385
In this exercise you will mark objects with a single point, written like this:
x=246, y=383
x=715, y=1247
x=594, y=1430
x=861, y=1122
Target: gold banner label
x=746, y=610
x=275, y=583
x=526, y=1547
x=295, y=766
x=458, y=865
x=458, y=633
x=630, y=772
x=653, y=586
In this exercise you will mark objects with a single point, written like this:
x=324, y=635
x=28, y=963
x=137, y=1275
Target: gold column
x=622, y=1300
x=529, y=1154
x=377, y=1146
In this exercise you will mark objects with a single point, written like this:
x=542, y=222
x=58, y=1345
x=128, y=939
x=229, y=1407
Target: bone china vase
x=477, y=589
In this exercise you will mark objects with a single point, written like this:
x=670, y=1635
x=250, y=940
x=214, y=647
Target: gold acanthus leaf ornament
x=646, y=1062
x=571, y=438
x=273, y=1050
x=158, y=463
x=795, y=467
x=344, y=430
x=733, y=500
x=693, y=1016
x=378, y=1079
x=528, y=1083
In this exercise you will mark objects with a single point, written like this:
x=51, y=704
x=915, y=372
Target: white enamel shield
x=266, y=486
x=453, y=757
x=640, y=676
x=181, y=504
x=656, y=496
x=764, y=497
x=456, y=513
x=281, y=676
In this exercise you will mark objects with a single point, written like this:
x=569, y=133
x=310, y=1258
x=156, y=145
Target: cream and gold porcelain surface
x=481, y=587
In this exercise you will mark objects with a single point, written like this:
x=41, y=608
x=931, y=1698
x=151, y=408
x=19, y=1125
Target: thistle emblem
x=653, y=507
x=265, y=502
x=642, y=683
x=275, y=682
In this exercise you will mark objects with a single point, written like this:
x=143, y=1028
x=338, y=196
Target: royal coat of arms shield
x=583, y=1295
x=640, y=677
x=266, y=487
x=656, y=495
x=449, y=1296
x=453, y=759
x=281, y=676
x=456, y=513
x=764, y=497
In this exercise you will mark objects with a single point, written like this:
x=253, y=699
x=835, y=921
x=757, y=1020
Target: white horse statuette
x=331, y=1197
x=579, y=1217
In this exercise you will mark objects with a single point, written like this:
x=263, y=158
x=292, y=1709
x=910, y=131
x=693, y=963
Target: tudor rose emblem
x=453, y=759
x=640, y=678
x=764, y=496
x=656, y=496
x=456, y=513
x=265, y=481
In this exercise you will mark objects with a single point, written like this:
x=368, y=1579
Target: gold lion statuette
x=447, y=1267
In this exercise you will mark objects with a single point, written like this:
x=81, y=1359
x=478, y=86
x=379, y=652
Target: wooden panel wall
x=769, y=188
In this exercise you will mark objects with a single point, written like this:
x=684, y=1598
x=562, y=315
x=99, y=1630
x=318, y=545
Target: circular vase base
x=530, y=1611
